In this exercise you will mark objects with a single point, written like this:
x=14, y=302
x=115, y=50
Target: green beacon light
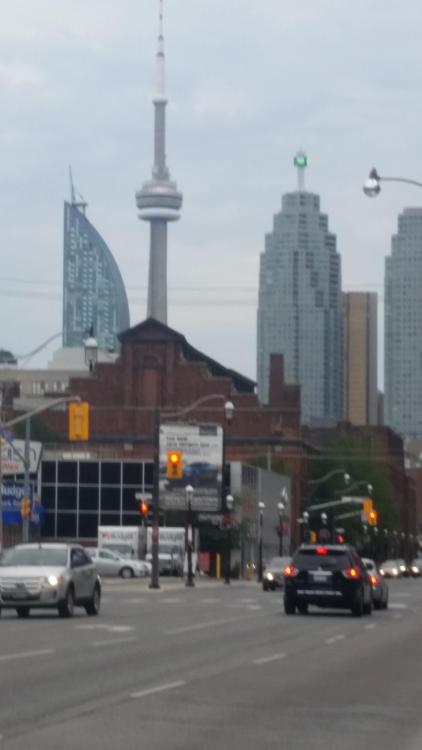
x=300, y=160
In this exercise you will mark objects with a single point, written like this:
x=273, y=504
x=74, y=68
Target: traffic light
x=143, y=509
x=367, y=506
x=79, y=420
x=312, y=537
x=373, y=517
x=174, y=465
x=25, y=507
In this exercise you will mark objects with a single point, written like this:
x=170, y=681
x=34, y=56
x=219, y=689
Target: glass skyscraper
x=93, y=290
x=300, y=305
x=403, y=326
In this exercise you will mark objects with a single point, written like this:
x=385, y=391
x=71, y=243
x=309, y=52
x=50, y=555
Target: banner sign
x=11, y=461
x=201, y=448
x=12, y=495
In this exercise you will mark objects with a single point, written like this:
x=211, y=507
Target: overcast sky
x=249, y=83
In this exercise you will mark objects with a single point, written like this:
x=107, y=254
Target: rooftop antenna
x=80, y=204
x=301, y=162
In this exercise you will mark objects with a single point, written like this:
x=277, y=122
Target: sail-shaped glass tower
x=94, y=295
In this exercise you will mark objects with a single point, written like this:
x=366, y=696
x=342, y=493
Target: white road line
x=396, y=617
x=371, y=626
x=27, y=654
x=135, y=601
x=267, y=659
x=158, y=689
x=210, y=601
x=248, y=601
x=173, y=600
x=113, y=642
x=254, y=606
x=334, y=639
x=397, y=605
x=200, y=626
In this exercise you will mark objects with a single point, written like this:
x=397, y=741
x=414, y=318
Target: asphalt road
x=212, y=667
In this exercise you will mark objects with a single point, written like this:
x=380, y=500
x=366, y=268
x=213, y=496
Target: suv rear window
x=332, y=559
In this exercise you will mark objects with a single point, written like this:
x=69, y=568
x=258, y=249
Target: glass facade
x=403, y=326
x=93, y=289
x=80, y=495
x=300, y=307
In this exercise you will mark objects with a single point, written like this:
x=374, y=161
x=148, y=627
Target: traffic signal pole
x=155, y=531
x=26, y=482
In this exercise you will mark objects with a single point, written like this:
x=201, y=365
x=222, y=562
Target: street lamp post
x=305, y=525
x=281, y=508
x=91, y=350
x=372, y=186
x=189, y=534
x=261, y=508
x=229, y=508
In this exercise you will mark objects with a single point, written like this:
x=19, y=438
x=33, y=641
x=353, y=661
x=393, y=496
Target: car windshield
x=35, y=556
x=329, y=560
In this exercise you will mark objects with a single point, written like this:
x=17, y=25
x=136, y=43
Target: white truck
x=171, y=549
x=126, y=540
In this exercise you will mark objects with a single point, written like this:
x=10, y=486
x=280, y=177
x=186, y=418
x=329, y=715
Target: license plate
x=321, y=577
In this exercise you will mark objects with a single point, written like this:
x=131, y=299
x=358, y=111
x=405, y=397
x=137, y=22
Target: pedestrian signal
x=174, y=465
x=25, y=507
x=373, y=518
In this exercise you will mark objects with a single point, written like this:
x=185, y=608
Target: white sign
x=11, y=461
x=201, y=447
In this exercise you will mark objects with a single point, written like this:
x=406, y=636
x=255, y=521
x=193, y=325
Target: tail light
x=290, y=571
x=352, y=574
x=374, y=580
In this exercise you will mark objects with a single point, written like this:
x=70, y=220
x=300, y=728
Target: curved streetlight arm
x=326, y=477
x=355, y=485
x=40, y=409
x=400, y=179
x=193, y=406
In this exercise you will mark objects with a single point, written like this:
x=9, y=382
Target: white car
x=110, y=563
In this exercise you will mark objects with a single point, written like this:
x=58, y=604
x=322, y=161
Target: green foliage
x=39, y=431
x=358, y=456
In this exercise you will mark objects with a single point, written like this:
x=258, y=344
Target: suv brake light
x=290, y=571
x=352, y=574
x=374, y=580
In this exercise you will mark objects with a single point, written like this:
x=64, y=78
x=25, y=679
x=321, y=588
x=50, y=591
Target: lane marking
x=334, y=639
x=397, y=605
x=27, y=654
x=210, y=601
x=135, y=601
x=108, y=628
x=267, y=659
x=248, y=601
x=396, y=617
x=114, y=642
x=172, y=600
x=158, y=689
x=200, y=626
x=371, y=626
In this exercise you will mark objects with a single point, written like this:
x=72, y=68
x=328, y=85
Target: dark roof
x=155, y=331
x=7, y=358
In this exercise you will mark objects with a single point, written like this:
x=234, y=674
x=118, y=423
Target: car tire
x=92, y=608
x=289, y=606
x=385, y=604
x=22, y=611
x=67, y=606
x=265, y=586
x=126, y=573
x=357, y=607
x=303, y=608
x=367, y=608
x=378, y=605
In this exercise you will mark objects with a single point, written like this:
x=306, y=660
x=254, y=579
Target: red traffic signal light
x=174, y=465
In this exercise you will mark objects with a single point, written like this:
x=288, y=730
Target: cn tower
x=159, y=200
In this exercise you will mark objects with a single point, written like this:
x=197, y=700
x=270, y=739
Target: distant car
x=403, y=568
x=329, y=575
x=273, y=576
x=379, y=585
x=109, y=563
x=54, y=576
x=416, y=568
x=390, y=569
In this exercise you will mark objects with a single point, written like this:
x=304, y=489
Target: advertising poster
x=201, y=448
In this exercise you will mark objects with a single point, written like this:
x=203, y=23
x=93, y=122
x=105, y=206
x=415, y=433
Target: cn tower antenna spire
x=159, y=201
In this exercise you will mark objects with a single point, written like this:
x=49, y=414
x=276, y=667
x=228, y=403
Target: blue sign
x=12, y=494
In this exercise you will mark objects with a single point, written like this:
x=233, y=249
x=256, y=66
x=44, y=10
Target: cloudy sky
x=249, y=83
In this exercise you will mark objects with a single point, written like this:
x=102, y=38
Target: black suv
x=330, y=575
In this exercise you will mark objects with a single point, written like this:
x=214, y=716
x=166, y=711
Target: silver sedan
x=110, y=563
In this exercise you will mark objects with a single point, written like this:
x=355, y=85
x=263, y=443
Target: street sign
x=11, y=461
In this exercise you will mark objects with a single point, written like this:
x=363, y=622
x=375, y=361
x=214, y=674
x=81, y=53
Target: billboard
x=201, y=449
x=11, y=461
x=12, y=495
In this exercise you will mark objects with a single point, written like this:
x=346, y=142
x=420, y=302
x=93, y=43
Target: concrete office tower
x=403, y=327
x=159, y=201
x=300, y=304
x=93, y=290
x=360, y=358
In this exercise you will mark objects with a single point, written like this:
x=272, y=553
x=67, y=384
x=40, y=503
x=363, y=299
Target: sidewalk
x=171, y=583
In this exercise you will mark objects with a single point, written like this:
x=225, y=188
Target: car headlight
x=53, y=580
x=395, y=572
x=381, y=571
x=415, y=569
x=402, y=568
x=269, y=576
